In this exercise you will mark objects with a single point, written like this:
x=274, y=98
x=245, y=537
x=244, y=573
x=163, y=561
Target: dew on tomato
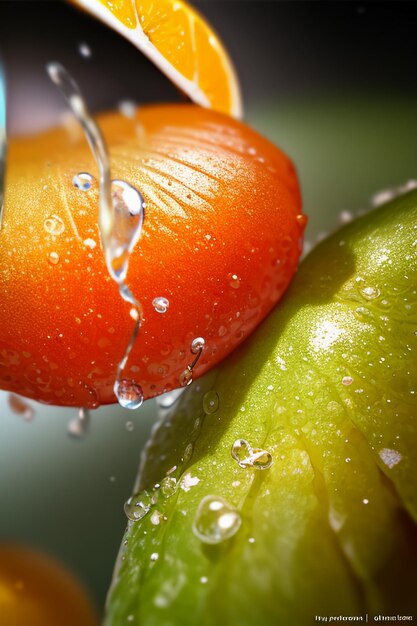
x=219, y=245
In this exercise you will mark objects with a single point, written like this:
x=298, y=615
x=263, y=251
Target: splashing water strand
x=121, y=210
x=3, y=138
x=197, y=347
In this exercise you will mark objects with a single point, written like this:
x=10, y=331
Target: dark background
x=333, y=83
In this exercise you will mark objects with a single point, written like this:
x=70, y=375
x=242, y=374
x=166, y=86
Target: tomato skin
x=221, y=240
x=37, y=591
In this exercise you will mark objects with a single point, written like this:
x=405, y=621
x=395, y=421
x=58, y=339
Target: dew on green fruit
x=53, y=258
x=129, y=393
x=215, y=520
x=54, y=225
x=347, y=380
x=390, y=457
x=246, y=456
x=210, y=402
x=154, y=556
x=370, y=293
x=83, y=181
x=363, y=314
x=168, y=486
x=138, y=506
x=160, y=304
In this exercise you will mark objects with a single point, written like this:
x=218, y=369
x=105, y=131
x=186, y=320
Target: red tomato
x=220, y=242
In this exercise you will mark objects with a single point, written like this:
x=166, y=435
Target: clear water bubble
x=210, y=402
x=215, y=520
x=160, y=304
x=138, y=506
x=186, y=377
x=168, y=486
x=53, y=258
x=347, y=380
x=246, y=456
x=128, y=393
x=197, y=345
x=83, y=181
x=54, y=225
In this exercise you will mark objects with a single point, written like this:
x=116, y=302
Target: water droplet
x=138, y=506
x=168, y=486
x=160, y=304
x=83, y=181
x=154, y=556
x=365, y=501
x=363, y=314
x=203, y=580
x=188, y=453
x=215, y=520
x=90, y=243
x=246, y=456
x=53, y=258
x=80, y=425
x=130, y=426
x=186, y=377
x=370, y=293
x=347, y=380
x=197, y=345
x=128, y=109
x=166, y=400
x=210, y=402
x=302, y=220
x=85, y=50
x=390, y=457
x=19, y=406
x=54, y=225
x=234, y=281
x=128, y=393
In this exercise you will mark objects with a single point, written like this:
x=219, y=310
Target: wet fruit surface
x=37, y=591
x=304, y=474
x=220, y=242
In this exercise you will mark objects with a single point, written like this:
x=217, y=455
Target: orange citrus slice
x=180, y=43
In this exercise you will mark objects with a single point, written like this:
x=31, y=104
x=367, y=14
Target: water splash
x=121, y=210
x=3, y=138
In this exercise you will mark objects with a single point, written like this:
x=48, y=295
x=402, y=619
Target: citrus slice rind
x=186, y=39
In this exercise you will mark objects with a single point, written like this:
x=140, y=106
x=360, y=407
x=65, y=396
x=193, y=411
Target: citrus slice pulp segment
x=180, y=43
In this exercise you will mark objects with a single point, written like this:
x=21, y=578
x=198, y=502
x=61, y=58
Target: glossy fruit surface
x=284, y=484
x=220, y=242
x=174, y=36
x=37, y=591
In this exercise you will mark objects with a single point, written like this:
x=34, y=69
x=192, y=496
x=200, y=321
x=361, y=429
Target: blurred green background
x=333, y=84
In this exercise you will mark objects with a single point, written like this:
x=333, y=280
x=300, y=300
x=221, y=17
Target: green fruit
x=327, y=387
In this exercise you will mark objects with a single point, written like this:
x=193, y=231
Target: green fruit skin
x=328, y=385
